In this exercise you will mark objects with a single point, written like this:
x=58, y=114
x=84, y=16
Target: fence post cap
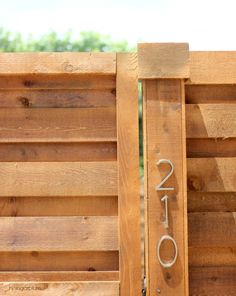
x=163, y=60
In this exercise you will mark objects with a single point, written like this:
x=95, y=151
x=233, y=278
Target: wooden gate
x=69, y=184
x=190, y=170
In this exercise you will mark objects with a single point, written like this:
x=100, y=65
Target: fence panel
x=69, y=215
x=211, y=121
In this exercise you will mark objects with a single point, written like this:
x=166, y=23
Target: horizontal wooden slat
x=34, y=206
x=209, y=147
x=57, y=63
x=38, y=81
x=211, y=174
x=215, y=67
x=60, y=289
x=59, y=261
x=211, y=120
x=58, y=179
x=212, y=229
x=59, y=234
x=225, y=256
x=212, y=281
x=212, y=201
x=59, y=276
x=56, y=98
x=93, y=151
x=210, y=94
x=57, y=125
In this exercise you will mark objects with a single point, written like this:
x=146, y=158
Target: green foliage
x=87, y=41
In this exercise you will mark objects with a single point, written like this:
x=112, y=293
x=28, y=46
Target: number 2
x=159, y=186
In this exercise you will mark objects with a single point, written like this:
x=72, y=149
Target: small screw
x=158, y=290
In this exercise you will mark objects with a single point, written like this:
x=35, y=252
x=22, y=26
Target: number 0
x=170, y=263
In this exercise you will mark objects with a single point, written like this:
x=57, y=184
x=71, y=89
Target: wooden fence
x=69, y=184
x=69, y=198
x=190, y=121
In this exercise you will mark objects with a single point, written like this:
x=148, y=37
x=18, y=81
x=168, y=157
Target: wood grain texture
x=58, y=172
x=42, y=82
x=37, y=206
x=211, y=174
x=58, y=178
x=208, y=147
x=128, y=175
x=48, y=98
x=58, y=234
x=212, y=67
x=57, y=63
x=211, y=120
x=212, y=281
x=60, y=289
x=59, y=261
x=163, y=60
x=210, y=94
x=210, y=256
x=59, y=276
x=211, y=201
x=165, y=139
x=57, y=125
x=59, y=152
x=212, y=229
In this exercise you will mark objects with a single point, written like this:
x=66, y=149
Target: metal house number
x=159, y=186
x=165, y=198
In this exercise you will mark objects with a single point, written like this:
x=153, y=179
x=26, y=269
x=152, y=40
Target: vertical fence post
x=128, y=174
x=162, y=69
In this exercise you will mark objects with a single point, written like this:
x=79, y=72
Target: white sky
x=205, y=24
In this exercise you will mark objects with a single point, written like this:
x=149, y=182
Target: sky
x=204, y=24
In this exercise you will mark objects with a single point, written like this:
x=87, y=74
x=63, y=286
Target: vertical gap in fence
x=163, y=68
x=142, y=185
x=145, y=182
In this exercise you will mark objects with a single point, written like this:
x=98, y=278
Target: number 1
x=165, y=200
